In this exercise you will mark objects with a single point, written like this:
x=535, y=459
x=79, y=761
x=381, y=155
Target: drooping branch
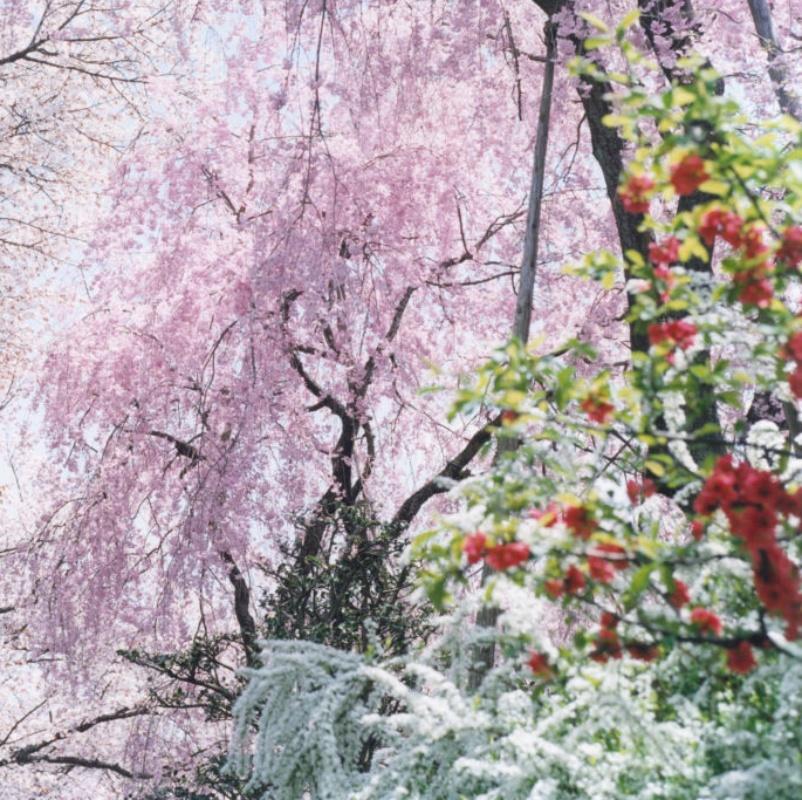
x=32, y=753
x=86, y=763
x=454, y=470
x=182, y=448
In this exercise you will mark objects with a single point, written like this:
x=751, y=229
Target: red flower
x=548, y=516
x=504, y=556
x=664, y=274
x=777, y=584
x=680, y=596
x=637, y=491
x=755, y=289
x=697, y=529
x=706, y=621
x=643, y=652
x=753, y=525
x=608, y=645
x=665, y=253
x=474, y=547
x=616, y=551
x=574, y=581
x=795, y=381
x=635, y=194
x=579, y=521
x=757, y=487
x=741, y=659
x=682, y=332
x=539, y=664
x=791, y=248
x=719, y=489
x=791, y=503
x=609, y=620
x=677, y=333
x=688, y=175
x=553, y=588
x=509, y=416
x=794, y=346
x=597, y=410
x=600, y=569
x=726, y=224
x=752, y=242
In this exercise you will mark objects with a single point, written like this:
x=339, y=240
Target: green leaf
x=655, y=467
x=629, y=20
x=593, y=20
x=595, y=42
x=637, y=585
x=718, y=188
x=615, y=121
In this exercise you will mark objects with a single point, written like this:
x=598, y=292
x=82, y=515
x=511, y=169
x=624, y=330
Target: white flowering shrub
x=618, y=730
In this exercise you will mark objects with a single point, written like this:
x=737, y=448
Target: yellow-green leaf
x=692, y=247
x=615, y=120
x=656, y=468
x=595, y=42
x=635, y=258
x=629, y=20
x=593, y=20
x=718, y=188
x=682, y=97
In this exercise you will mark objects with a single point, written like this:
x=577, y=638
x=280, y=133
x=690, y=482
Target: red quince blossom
x=608, y=645
x=718, y=222
x=554, y=588
x=706, y=621
x=680, y=596
x=609, y=620
x=697, y=529
x=793, y=347
x=618, y=553
x=790, y=250
x=719, y=489
x=579, y=521
x=665, y=253
x=509, y=416
x=505, y=556
x=474, y=547
x=643, y=652
x=635, y=194
x=755, y=290
x=795, y=381
x=600, y=569
x=777, y=584
x=752, y=242
x=665, y=274
x=597, y=410
x=676, y=333
x=548, y=516
x=638, y=490
x=539, y=664
x=689, y=174
x=741, y=659
x=574, y=581
x=753, y=501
